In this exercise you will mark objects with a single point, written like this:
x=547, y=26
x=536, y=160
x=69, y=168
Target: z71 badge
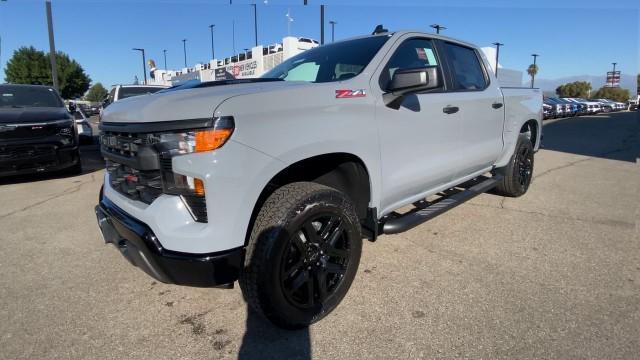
x=347, y=94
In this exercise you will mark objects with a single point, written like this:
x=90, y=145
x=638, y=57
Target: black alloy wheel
x=315, y=262
x=302, y=255
x=525, y=166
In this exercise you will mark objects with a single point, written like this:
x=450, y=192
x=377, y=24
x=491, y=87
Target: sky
x=572, y=37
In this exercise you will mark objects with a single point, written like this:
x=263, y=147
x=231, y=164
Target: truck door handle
x=450, y=109
x=496, y=105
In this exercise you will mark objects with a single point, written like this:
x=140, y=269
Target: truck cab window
x=413, y=53
x=466, y=68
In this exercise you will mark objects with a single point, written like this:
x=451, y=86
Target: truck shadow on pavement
x=262, y=340
x=614, y=136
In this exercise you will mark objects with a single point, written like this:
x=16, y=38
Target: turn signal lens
x=198, y=187
x=211, y=139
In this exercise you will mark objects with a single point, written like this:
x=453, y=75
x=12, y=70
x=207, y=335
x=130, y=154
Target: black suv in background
x=37, y=133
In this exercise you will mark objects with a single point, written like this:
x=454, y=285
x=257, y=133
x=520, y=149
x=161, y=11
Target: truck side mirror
x=407, y=81
x=72, y=107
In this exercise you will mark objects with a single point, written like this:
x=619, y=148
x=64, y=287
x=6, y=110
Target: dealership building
x=258, y=60
x=249, y=64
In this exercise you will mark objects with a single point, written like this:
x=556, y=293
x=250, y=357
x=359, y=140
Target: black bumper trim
x=139, y=245
x=59, y=159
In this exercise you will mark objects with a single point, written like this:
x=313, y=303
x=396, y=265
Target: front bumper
x=33, y=158
x=139, y=245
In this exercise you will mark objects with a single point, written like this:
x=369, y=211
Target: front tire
x=519, y=172
x=303, y=254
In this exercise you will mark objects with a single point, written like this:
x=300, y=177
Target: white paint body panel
x=407, y=154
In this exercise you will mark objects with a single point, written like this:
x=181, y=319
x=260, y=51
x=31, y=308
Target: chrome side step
x=424, y=211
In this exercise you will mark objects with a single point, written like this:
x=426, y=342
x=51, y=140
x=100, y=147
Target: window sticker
x=422, y=54
x=431, y=57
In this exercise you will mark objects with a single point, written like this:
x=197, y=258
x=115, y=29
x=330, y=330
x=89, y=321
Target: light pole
x=333, y=30
x=233, y=35
x=144, y=61
x=255, y=22
x=52, y=45
x=321, y=24
x=184, y=49
x=497, y=44
x=533, y=75
x=164, y=52
x=438, y=27
x=213, y=53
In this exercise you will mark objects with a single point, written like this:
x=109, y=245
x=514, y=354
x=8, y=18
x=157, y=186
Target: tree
x=577, y=89
x=96, y=93
x=31, y=66
x=615, y=94
x=532, y=70
x=28, y=66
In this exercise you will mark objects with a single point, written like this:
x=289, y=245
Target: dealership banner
x=613, y=78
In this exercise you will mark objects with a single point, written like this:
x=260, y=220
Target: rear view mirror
x=406, y=81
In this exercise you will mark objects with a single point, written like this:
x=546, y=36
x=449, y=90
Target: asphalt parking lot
x=554, y=274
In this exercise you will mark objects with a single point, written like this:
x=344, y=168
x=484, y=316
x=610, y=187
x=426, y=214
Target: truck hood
x=32, y=115
x=196, y=103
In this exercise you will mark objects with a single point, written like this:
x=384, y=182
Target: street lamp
x=321, y=24
x=438, y=27
x=533, y=75
x=164, y=52
x=213, y=53
x=184, y=49
x=144, y=61
x=52, y=45
x=333, y=31
x=497, y=44
x=255, y=22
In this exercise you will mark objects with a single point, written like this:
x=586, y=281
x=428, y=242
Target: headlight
x=65, y=128
x=188, y=142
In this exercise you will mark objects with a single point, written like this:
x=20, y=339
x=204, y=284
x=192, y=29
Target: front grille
x=20, y=152
x=140, y=168
x=139, y=185
x=126, y=144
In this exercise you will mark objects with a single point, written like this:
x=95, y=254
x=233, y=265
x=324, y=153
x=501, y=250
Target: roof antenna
x=379, y=30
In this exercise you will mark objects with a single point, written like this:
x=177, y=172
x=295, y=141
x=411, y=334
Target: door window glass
x=466, y=68
x=412, y=54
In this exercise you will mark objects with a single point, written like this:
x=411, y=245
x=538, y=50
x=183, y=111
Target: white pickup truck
x=275, y=181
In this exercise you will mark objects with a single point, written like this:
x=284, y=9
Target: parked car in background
x=605, y=105
x=85, y=132
x=547, y=111
x=37, y=132
x=582, y=107
x=557, y=109
x=592, y=107
x=632, y=105
x=119, y=92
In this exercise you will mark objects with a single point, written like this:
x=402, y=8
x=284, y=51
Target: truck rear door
x=476, y=93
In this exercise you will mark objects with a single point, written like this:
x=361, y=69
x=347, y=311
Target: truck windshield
x=28, y=96
x=334, y=62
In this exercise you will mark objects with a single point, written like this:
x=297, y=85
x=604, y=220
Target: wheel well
x=532, y=126
x=341, y=171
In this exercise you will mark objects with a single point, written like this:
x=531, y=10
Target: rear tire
x=303, y=254
x=519, y=172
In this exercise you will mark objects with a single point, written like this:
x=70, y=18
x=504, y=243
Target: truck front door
x=418, y=141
